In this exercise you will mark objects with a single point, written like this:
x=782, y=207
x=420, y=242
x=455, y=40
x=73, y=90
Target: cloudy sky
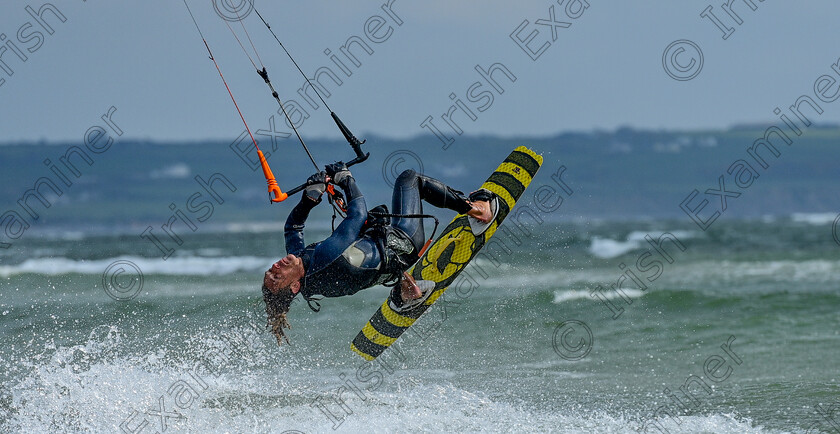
x=604, y=65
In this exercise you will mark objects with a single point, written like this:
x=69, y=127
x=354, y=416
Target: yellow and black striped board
x=450, y=253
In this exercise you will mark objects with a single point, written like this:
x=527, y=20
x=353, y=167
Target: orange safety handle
x=279, y=196
x=338, y=201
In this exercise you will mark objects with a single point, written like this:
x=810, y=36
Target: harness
x=395, y=246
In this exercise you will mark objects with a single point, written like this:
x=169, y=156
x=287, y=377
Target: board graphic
x=449, y=254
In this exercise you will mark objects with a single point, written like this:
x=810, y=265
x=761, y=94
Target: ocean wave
x=259, y=227
x=181, y=265
x=716, y=423
x=87, y=388
x=97, y=385
x=108, y=381
x=706, y=278
x=607, y=248
x=175, y=171
x=568, y=295
x=81, y=233
x=812, y=271
x=817, y=219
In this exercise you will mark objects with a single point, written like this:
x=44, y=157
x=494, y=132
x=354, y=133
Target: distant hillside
x=619, y=174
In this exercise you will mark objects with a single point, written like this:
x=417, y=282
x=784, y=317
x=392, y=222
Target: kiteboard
x=449, y=254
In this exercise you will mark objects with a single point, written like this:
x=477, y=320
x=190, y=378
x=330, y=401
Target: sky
x=602, y=65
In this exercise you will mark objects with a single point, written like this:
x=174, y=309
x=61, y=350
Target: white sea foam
x=822, y=272
x=567, y=295
x=107, y=395
x=816, y=270
x=176, y=265
x=175, y=171
x=103, y=383
x=640, y=235
x=271, y=226
x=254, y=227
x=819, y=218
x=210, y=252
x=606, y=248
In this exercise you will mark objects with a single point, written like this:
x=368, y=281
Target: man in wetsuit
x=356, y=257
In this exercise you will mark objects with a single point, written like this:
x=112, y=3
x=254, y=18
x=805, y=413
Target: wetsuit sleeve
x=295, y=223
x=348, y=231
x=356, y=208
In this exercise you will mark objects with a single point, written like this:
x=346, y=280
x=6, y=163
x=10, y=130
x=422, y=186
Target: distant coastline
x=620, y=174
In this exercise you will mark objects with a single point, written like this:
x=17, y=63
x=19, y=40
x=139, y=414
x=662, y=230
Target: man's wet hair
x=276, y=307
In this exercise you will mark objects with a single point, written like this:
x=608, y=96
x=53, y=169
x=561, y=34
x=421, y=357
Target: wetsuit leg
x=409, y=189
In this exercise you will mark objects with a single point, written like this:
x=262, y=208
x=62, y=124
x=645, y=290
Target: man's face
x=283, y=273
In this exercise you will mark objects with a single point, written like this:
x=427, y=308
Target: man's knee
x=407, y=178
x=406, y=175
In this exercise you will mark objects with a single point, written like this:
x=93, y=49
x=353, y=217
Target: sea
x=571, y=326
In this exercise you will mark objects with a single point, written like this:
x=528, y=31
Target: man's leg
x=409, y=190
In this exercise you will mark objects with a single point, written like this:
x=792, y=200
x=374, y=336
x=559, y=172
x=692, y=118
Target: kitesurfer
x=367, y=248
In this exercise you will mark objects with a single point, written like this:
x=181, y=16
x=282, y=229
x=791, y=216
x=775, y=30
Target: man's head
x=284, y=274
x=280, y=286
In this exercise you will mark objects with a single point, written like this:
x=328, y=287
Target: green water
x=491, y=358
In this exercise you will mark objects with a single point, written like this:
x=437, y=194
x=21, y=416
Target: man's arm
x=356, y=208
x=345, y=234
x=295, y=223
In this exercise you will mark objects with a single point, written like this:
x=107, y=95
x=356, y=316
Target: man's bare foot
x=409, y=289
x=481, y=211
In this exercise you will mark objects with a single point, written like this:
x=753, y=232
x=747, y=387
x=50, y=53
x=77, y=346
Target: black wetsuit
x=352, y=259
